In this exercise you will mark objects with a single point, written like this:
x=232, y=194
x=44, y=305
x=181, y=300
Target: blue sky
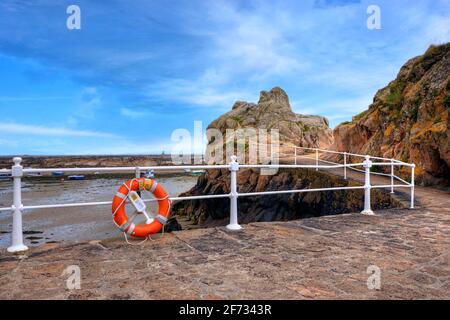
x=139, y=69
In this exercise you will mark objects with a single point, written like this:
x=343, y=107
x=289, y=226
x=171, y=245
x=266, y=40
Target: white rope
x=121, y=203
x=133, y=244
x=126, y=196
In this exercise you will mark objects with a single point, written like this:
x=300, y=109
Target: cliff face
x=273, y=111
x=280, y=207
x=408, y=119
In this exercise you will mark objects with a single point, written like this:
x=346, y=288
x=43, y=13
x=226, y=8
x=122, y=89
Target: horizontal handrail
x=248, y=194
x=306, y=166
x=352, y=154
x=169, y=168
x=350, y=166
x=126, y=169
x=400, y=179
x=385, y=186
x=99, y=203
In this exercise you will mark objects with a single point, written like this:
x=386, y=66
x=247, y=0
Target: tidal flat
x=74, y=223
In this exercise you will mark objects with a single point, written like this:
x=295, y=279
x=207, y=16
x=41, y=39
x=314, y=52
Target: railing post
x=137, y=175
x=17, y=234
x=412, y=186
x=367, y=186
x=317, y=159
x=345, y=165
x=137, y=172
x=392, y=175
x=295, y=155
x=234, y=167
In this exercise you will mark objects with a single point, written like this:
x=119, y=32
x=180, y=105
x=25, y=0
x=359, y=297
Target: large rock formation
x=273, y=111
x=408, y=119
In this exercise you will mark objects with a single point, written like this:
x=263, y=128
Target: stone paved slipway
x=314, y=258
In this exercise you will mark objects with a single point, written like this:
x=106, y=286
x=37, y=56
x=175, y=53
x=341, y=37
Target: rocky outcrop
x=214, y=212
x=273, y=111
x=408, y=119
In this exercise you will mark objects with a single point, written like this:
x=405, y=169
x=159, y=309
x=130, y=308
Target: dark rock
x=172, y=225
x=275, y=207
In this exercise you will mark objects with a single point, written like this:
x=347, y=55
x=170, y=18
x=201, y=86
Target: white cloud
x=256, y=43
x=85, y=145
x=244, y=50
x=89, y=101
x=33, y=130
x=126, y=147
x=438, y=30
x=336, y=109
x=132, y=114
x=203, y=91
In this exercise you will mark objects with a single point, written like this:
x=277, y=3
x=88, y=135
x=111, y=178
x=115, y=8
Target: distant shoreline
x=89, y=156
x=66, y=161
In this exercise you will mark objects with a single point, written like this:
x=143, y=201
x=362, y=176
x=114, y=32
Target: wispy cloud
x=132, y=113
x=257, y=41
x=334, y=110
x=334, y=3
x=89, y=101
x=34, y=130
x=127, y=147
x=198, y=92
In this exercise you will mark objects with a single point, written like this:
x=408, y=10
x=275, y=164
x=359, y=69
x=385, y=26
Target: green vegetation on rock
x=360, y=115
x=395, y=96
x=447, y=102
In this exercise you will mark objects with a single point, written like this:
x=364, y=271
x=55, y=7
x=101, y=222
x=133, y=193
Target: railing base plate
x=234, y=227
x=18, y=248
x=367, y=212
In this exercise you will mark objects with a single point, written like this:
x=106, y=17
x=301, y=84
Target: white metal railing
x=391, y=162
x=17, y=172
x=387, y=162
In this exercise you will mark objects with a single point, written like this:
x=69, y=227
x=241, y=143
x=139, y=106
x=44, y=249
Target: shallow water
x=75, y=224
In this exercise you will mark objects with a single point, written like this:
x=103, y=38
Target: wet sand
x=74, y=224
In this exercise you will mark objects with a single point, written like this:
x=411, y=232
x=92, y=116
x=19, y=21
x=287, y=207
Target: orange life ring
x=120, y=216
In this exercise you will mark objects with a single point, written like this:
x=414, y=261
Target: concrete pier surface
x=316, y=258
